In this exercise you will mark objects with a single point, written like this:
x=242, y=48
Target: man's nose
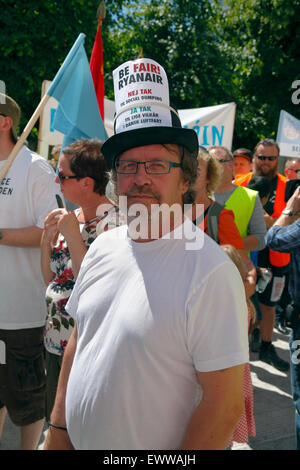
x=141, y=176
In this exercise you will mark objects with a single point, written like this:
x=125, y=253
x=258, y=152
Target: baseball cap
x=245, y=153
x=10, y=108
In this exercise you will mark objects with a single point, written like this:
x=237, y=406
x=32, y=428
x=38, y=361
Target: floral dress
x=59, y=325
x=246, y=425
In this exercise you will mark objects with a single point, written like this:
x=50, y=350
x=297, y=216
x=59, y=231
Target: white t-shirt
x=27, y=195
x=148, y=316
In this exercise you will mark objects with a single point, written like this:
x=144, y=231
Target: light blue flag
x=288, y=135
x=77, y=115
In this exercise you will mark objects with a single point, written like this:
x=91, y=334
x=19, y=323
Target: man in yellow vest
x=244, y=202
x=265, y=163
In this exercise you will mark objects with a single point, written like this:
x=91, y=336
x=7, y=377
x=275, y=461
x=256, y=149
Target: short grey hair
x=229, y=155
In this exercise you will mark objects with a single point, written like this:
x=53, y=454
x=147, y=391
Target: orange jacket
x=276, y=258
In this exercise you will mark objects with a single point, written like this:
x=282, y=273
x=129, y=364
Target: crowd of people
x=121, y=342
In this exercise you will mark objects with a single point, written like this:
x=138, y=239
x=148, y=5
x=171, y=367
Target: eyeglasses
x=62, y=177
x=153, y=167
x=203, y=149
x=222, y=160
x=263, y=158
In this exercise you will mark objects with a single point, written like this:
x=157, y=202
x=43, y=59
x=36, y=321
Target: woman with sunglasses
x=82, y=174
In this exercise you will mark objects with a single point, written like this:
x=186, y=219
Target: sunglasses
x=263, y=158
x=62, y=177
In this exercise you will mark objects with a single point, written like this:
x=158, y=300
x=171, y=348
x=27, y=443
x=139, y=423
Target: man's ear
x=88, y=183
x=6, y=123
x=185, y=186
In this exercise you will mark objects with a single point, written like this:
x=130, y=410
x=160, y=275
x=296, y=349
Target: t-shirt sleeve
x=217, y=321
x=228, y=232
x=43, y=188
x=257, y=224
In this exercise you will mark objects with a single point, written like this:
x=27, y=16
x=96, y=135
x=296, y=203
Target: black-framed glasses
x=263, y=158
x=152, y=167
x=62, y=177
x=223, y=160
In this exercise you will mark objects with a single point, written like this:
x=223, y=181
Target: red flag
x=97, y=70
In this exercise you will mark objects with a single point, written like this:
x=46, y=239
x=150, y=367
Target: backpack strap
x=213, y=220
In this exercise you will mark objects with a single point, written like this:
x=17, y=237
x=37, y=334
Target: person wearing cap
x=27, y=195
x=265, y=163
x=242, y=160
x=152, y=362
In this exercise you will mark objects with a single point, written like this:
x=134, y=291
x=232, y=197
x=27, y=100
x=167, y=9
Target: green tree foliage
x=213, y=52
x=177, y=34
x=261, y=39
x=35, y=37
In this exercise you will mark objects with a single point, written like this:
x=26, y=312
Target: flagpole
x=24, y=135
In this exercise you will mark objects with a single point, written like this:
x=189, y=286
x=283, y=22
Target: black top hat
x=143, y=74
x=123, y=141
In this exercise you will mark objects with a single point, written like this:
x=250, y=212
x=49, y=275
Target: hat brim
x=127, y=140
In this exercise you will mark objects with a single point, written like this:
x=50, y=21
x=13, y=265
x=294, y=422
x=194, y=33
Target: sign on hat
x=143, y=112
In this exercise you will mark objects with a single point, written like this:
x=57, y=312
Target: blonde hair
x=214, y=171
x=235, y=257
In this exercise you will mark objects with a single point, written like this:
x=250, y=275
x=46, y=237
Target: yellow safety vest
x=242, y=202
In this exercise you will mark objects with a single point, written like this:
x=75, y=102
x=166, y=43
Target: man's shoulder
x=26, y=152
x=118, y=232
x=35, y=162
x=36, y=157
x=248, y=191
x=281, y=178
x=209, y=255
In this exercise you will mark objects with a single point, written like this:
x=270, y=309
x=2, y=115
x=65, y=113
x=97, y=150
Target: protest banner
x=288, y=135
x=214, y=125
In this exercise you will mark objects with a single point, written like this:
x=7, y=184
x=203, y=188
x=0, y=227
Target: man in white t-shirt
x=157, y=356
x=27, y=195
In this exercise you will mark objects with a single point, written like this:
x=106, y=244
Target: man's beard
x=267, y=173
x=140, y=190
